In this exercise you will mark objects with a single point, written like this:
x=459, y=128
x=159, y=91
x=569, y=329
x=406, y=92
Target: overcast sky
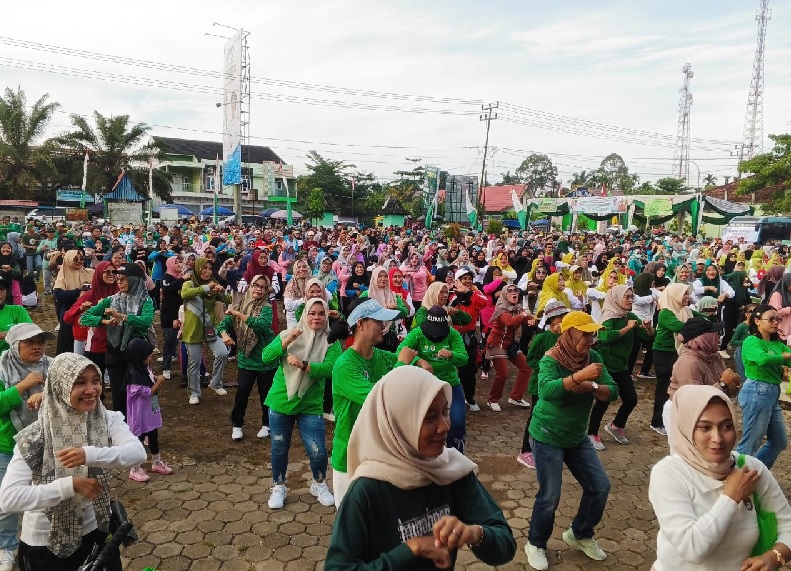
x=559, y=69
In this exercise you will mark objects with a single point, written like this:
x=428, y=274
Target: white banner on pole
x=598, y=205
x=232, y=111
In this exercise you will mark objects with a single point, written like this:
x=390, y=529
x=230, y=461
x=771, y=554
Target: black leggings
x=153, y=440
x=628, y=396
x=40, y=558
x=730, y=315
x=663, y=365
x=468, y=371
x=645, y=368
x=261, y=379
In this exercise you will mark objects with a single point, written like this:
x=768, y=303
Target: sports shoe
x=329, y=417
x=526, y=459
x=236, y=433
x=536, y=557
x=659, y=429
x=277, y=497
x=221, y=391
x=724, y=354
x=647, y=376
x=263, y=433
x=166, y=374
x=521, y=402
x=588, y=546
x=194, y=400
x=474, y=407
x=161, y=468
x=596, y=441
x=494, y=406
x=322, y=493
x=7, y=559
x=138, y=475
x=617, y=433
x=484, y=375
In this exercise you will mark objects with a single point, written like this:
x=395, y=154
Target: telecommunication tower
x=681, y=156
x=753, y=137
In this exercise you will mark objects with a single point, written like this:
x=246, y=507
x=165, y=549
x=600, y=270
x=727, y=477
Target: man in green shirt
x=30, y=242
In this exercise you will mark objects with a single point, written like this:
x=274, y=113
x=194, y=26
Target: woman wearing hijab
x=356, y=284
x=500, y=260
x=417, y=277
x=731, y=308
x=10, y=272
x=261, y=265
x=57, y=475
x=621, y=330
x=23, y=370
x=764, y=355
x=781, y=301
x=326, y=275
x=412, y=502
x=703, y=494
x=200, y=294
x=306, y=355
x=102, y=285
x=673, y=313
x=251, y=326
x=72, y=280
x=571, y=376
x=127, y=315
x=552, y=289
x=729, y=263
x=501, y=346
x=712, y=285
x=438, y=293
x=766, y=285
x=379, y=290
x=396, y=280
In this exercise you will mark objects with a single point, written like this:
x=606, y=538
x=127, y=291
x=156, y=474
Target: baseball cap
x=463, y=272
x=130, y=270
x=700, y=261
x=554, y=309
x=436, y=325
x=371, y=309
x=23, y=331
x=696, y=326
x=579, y=320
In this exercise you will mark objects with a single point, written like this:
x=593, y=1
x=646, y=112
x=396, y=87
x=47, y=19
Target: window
x=186, y=185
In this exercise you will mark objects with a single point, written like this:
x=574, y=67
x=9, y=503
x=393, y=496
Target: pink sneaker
x=526, y=459
x=161, y=468
x=138, y=475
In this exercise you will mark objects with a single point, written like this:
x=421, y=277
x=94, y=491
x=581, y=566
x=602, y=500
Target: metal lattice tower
x=681, y=156
x=244, y=101
x=753, y=137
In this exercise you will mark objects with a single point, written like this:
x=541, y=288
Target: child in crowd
x=142, y=405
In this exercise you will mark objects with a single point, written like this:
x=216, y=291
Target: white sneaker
x=221, y=391
x=494, y=406
x=236, y=433
x=521, y=402
x=264, y=432
x=194, y=400
x=536, y=557
x=7, y=559
x=165, y=374
x=277, y=496
x=475, y=407
x=322, y=493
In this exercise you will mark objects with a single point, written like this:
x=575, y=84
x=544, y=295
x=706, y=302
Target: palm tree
x=115, y=145
x=23, y=164
x=709, y=180
x=581, y=178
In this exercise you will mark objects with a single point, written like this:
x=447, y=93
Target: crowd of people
x=386, y=332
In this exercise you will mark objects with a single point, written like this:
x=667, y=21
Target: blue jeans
x=311, y=429
x=584, y=465
x=9, y=523
x=761, y=416
x=457, y=433
x=737, y=361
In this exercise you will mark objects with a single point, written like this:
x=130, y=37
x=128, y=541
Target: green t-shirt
x=667, y=327
x=763, y=360
x=740, y=334
x=561, y=417
x=10, y=315
x=9, y=400
x=614, y=349
x=445, y=369
x=353, y=377
x=540, y=344
x=262, y=326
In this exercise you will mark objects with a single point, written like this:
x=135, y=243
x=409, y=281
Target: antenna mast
x=753, y=137
x=681, y=156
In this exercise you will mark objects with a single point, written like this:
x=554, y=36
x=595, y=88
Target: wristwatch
x=595, y=386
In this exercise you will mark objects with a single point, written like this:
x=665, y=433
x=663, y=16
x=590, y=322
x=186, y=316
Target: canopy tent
x=268, y=212
x=282, y=215
x=183, y=210
x=221, y=211
x=727, y=210
x=661, y=209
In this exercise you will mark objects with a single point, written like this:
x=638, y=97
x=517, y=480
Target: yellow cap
x=579, y=320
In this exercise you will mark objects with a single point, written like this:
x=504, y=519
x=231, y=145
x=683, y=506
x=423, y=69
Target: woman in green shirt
x=306, y=354
x=764, y=356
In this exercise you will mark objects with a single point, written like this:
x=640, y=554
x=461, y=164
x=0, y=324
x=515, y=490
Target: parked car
x=47, y=215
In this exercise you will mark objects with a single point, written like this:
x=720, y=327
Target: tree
x=772, y=169
x=538, y=172
x=645, y=188
x=508, y=179
x=334, y=179
x=614, y=173
x=313, y=205
x=582, y=178
x=670, y=185
x=115, y=145
x=23, y=164
x=709, y=181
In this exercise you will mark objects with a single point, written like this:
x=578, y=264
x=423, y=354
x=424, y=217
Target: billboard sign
x=232, y=111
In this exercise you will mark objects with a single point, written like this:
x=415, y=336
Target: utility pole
x=738, y=151
x=487, y=116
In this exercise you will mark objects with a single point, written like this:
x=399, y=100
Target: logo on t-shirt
x=421, y=525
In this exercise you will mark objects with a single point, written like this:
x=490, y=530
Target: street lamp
x=698, y=169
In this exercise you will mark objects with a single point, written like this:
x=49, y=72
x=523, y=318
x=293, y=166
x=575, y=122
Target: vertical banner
x=84, y=180
x=519, y=208
x=430, y=198
x=232, y=111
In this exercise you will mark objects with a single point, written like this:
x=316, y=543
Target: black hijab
x=137, y=373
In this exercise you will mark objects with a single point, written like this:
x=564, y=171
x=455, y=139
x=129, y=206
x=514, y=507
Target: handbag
x=209, y=333
x=767, y=522
x=117, y=517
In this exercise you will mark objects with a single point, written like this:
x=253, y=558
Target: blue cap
x=371, y=309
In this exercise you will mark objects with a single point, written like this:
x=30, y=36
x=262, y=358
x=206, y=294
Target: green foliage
x=24, y=166
x=670, y=185
x=770, y=169
x=494, y=226
x=509, y=179
x=115, y=144
x=452, y=230
x=709, y=181
x=313, y=206
x=538, y=172
x=334, y=180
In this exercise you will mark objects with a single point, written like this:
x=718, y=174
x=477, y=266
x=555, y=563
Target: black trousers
x=730, y=315
x=663, y=365
x=467, y=372
x=628, y=396
x=645, y=368
x=263, y=380
x=32, y=558
x=526, y=447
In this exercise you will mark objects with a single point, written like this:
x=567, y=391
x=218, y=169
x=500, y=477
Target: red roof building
x=498, y=198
